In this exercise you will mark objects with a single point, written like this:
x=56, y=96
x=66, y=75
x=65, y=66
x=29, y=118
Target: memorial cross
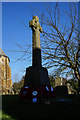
x=36, y=48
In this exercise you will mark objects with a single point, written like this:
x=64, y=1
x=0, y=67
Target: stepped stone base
x=36, y=76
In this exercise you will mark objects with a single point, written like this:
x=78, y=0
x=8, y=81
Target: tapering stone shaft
x=36, y=48
x=36, y=75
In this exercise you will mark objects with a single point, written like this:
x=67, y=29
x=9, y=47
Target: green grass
x=5, y=116
x=14, y=109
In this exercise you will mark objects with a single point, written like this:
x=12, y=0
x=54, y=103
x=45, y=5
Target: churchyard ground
x=15, y=109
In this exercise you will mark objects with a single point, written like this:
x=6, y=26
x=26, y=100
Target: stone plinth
x=36, y=76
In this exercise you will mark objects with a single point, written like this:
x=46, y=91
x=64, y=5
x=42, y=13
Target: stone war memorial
x=36, y=75
x=36, y=82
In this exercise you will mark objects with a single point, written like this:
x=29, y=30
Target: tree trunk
x=78, y=78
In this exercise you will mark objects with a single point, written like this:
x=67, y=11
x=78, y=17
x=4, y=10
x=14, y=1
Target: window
x=2, y=62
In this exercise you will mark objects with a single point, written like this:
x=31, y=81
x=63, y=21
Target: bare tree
x=60, y=42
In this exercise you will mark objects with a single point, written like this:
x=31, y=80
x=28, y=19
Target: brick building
x=5, y=73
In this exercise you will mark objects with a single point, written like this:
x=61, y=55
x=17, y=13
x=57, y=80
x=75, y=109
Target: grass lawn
x=14, y=109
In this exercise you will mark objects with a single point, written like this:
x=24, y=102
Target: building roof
x=3, y=54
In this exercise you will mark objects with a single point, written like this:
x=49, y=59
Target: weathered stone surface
x=5, y=73
x=36, y=75
x=61, y=91
x=36, y=48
